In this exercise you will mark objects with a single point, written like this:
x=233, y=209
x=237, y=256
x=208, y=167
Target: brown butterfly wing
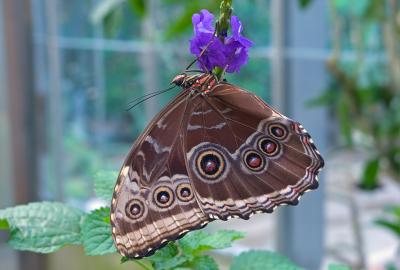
x=154, y=201
x=244, y=157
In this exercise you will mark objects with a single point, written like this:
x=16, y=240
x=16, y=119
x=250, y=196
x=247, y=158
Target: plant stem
x=143, y=265
x=222, y=28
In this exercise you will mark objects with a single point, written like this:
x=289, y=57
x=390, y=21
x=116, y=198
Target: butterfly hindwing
x=244, y=157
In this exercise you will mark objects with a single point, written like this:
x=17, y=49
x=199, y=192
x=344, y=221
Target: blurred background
x=69, y=67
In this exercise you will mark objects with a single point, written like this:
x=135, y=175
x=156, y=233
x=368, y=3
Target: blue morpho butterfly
x=216, y=151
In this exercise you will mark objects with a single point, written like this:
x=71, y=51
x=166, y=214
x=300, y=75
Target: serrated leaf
x=204, y=263
x=338, y=267
x=96, y=233
x=199, y=241
x=171, y=263
x=43, y=227
x=4, y=224
x=262, y=260
x=166, y=253
x=169, y=258
x=104, y=182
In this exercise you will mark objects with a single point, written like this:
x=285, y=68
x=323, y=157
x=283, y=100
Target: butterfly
x=216, y=151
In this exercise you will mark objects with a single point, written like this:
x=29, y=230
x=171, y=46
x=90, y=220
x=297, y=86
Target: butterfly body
x=215, y=152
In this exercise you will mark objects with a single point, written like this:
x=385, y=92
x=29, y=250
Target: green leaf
x=369, y=180
x=262, y=260
x=96, y=233
x=172, y=263
x=391, y=225
x=167, y=252
x=104, y=182
x=4, y=224
x=168, y=257
x=304, y=3
x=204, y=263
x=338, y=267
x=199, y=241
x=138, y=6
x=42, y=227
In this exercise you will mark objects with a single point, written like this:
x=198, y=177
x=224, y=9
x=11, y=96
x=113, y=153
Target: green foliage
x=392, y=220
x=109, y=12
x=138, y=7
x=188, y=252
x=204, y=263
x=96, y=233
x=45, y=227
x=262, y=260
x=42, y=227
x=104, y=182
x=369, y=179
x=199, y=241
x=4, y=224
x=304, y=3
x=81, y=162
x=364, y=94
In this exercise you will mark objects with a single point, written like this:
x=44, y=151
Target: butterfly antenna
x=148, y=96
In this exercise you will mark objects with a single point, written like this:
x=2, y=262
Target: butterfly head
x=179, y=79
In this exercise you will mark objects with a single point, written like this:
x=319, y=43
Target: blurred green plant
x=110, y=13
x=45, y=227
x=81, y=162
x=365, y=90
x=392, y=220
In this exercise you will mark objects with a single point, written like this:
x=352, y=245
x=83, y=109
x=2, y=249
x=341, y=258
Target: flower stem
x=222, y=28
x=224, y=18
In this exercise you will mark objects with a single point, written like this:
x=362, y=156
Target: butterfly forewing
x=154, y=200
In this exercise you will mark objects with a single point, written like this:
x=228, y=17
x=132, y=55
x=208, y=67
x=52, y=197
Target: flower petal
x=203, y=22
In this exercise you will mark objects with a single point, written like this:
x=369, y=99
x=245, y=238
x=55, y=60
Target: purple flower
x=236, y=47
x=231, y=53
x=204, y=31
